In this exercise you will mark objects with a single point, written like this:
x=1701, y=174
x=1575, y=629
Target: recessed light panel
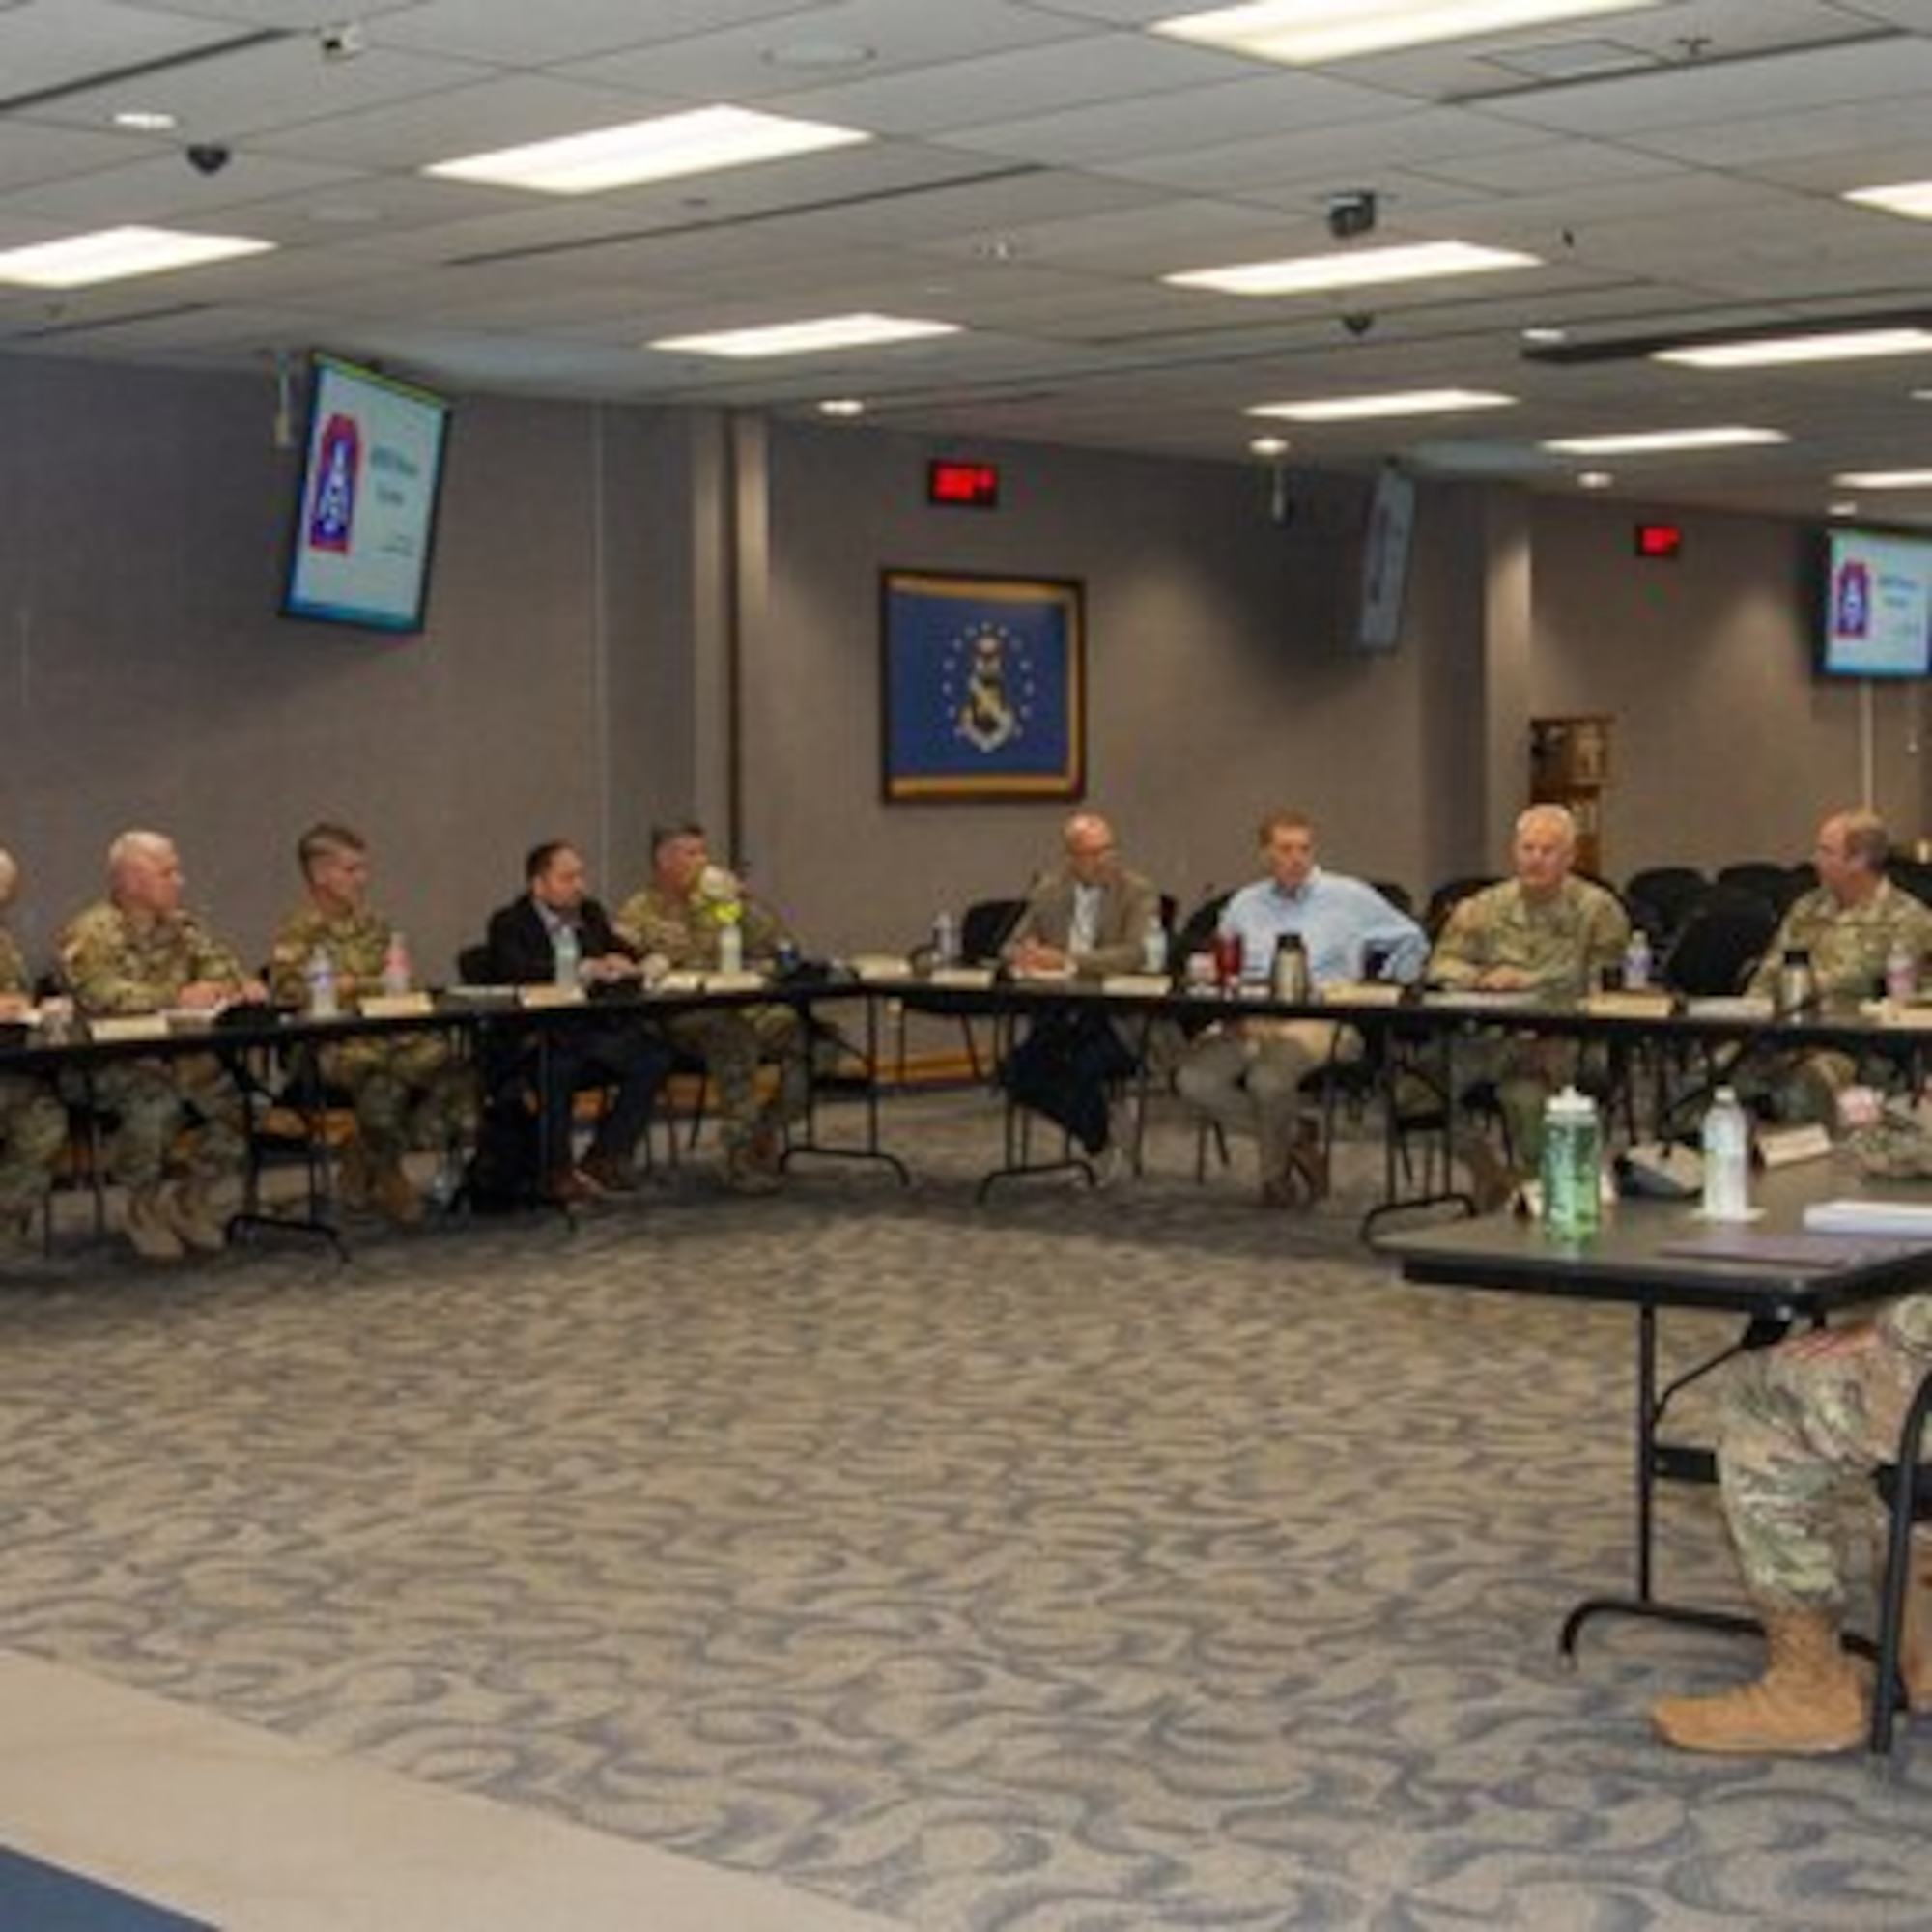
x=1654, y=442
x=1911, y=199
x=118, y=254
x=1355, y=269
x=1395, y=403
x=700, y=142
x=1301, y=33
x=808, y=338
x=1779, y=351
x=1883, y=479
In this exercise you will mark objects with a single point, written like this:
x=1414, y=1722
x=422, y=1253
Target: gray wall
x=607, y=577
x=1726, y=746
x=1217, y=682
x=145, y=677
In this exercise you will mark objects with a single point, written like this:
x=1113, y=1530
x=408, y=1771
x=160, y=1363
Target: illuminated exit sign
x=962, y=486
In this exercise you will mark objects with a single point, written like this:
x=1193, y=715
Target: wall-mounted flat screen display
x=365, y=521
x=1388, y=538
x=1878, y=606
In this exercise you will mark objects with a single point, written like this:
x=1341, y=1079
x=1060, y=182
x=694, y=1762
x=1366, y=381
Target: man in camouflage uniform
x=33, y=1123
x=1544, y=933
x=1847, y=927
x=406, y=1092
x=677, y=918
x=138, y=951
x=1802, y=1422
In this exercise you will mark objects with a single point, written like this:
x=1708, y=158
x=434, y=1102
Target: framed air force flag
x=983, y=684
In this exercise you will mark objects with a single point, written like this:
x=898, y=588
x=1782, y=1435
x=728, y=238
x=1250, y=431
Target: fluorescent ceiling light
x=1650, y=441
x=1355, y=269
x=1301, y=33
x=1883, y=479
x=144, y=120
x=1268, y=445
x=1774, y=350
x=1912, y=199
x=806, y=338
x=1394, y=403
x=117, y=254
x=696, y=143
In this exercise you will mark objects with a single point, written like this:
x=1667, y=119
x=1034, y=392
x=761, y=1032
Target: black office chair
x=1447, y=897
x=1397, y=896
x=1777, y=885
x=984, y=927
x=1661, y=898
x=1718, y=945
x=1910, y=876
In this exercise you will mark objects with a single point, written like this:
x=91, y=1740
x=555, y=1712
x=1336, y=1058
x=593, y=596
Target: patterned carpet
x=1133, y=1559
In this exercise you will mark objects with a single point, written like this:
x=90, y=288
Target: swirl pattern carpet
x=1136, y=1560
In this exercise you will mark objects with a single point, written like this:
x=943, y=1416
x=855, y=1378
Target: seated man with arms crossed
x=1246, y=1076
x=32, y=1122
x=625, y=1054
x=408, y=1091
x=1846, y=927
x=139, y=952
x=1544, y=933
x=1091, y=917
x=678, y=915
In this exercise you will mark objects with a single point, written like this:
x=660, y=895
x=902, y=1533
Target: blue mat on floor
x=37, y=1897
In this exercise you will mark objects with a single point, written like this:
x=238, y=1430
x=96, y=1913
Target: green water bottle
x=1573, y=1158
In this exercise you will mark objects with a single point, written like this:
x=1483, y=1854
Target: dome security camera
x=1359, y=324
x=209, y=157
x=1353, y=214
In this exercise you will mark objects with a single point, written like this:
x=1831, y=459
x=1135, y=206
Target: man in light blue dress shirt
x=1246, y=1076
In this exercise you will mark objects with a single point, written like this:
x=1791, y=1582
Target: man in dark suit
x=1091, y=917
x=624, y=1055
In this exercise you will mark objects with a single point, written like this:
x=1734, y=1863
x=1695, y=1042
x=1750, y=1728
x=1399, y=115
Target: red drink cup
x=1227, y=957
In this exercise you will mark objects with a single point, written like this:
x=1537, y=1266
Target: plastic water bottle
x=1727, y=1153
x=1153, y=945
x=396, y=966
x=731, y=948
x=945, y=940
x=569, y=960
x=323, y=1003
x=1901, y=975
x=1637, y=963
x=1573, y=1160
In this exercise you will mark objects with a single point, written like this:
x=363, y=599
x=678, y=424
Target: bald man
x=1089, y=918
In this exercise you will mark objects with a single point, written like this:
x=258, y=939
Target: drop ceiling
x=1037, y=167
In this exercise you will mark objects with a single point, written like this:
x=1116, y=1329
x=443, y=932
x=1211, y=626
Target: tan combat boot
x=1809, y=1702
x=745, y=1170
x=149, y=1226
x=393, y=1195
x=1492, y=1184
x=194, y=1218
x=351, y=1177
x=1915, y=1636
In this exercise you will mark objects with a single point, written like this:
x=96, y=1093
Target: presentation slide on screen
x=1878, y=616
x=367, y=515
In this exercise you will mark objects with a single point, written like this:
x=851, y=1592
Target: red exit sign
x=1660, y=542
x=962, y=486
